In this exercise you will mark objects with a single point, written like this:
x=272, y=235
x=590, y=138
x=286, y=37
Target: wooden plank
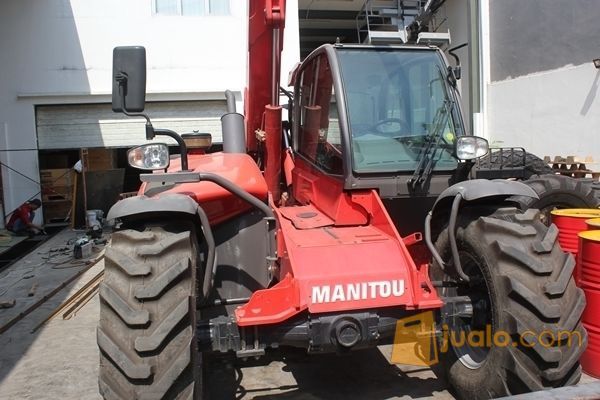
x=83, y=299
x=76, y=296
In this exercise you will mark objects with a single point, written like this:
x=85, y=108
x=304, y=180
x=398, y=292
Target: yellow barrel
x=571, y=221
x=593, y=224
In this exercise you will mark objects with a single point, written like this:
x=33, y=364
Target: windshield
x=397, y=103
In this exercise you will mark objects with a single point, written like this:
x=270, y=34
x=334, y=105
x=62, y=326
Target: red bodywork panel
x=312, y=186
x=264, y=55
x=218, y=203
x=339, y=252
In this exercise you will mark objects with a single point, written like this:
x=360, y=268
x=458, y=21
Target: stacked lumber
x=573, y=166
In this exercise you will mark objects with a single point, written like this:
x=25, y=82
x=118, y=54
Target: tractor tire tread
x=146, y=342
x=560, y=284
x=158, y=248
x=547, y=243
x=558, y=191
x=128, y=314
x=534, y=291
x=126, y=263
x=161, y=282
x=518, y=254
x=533, y=164
x=166, y=326
x=537, y=303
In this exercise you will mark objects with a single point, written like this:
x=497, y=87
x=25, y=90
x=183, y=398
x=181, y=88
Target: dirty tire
x=147, y=316
x=558, y=191
x=533, y=164
x=529, y=282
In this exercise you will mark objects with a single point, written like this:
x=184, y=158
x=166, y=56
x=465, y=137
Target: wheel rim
x=470, y=355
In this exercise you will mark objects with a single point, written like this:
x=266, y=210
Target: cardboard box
x=101, y=159
x=50, y=193
x=56, y=177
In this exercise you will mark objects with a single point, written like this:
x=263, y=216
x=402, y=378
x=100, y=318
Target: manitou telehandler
x=324, y=235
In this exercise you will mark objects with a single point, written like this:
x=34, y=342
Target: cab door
x=318, y=139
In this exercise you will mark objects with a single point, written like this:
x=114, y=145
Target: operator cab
x=366, y=110
x=380, y=117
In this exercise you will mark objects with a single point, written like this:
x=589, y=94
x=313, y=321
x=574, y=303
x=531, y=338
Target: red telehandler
x=323, y=233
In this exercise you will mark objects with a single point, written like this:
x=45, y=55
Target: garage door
x=96, y=125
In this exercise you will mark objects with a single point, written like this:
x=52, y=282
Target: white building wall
x=550, y=113
x=60, y=52
x=543, y=88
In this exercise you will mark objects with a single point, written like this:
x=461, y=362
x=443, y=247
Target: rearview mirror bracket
x=121, y=79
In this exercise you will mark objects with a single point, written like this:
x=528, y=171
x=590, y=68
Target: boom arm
x=265, y=41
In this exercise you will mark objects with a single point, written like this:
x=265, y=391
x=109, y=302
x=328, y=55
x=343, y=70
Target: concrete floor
x=60, y=361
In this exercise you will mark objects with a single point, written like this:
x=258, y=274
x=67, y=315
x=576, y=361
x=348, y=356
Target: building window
x=191, y=7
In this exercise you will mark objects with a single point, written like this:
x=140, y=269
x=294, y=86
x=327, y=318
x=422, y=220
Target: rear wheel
x=532, y=164
x=558, y=191
x=523, y=304
x=146, y=333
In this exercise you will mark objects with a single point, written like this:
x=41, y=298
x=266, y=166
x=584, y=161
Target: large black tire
x=515, y=261
x=532, y=163
x=146, y=333
x=558, y=191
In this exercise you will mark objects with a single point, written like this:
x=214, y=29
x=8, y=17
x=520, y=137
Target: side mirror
x=129, y=79
x=470, y=147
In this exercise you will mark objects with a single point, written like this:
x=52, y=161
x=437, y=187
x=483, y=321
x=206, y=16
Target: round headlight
x=149, y=156
x=471, y=147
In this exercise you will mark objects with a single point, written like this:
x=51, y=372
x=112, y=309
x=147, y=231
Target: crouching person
x=21, y=220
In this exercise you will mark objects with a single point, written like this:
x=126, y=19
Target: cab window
x=319, y=132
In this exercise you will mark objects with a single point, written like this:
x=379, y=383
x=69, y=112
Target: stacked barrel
x=570, y=222
x=579, y=233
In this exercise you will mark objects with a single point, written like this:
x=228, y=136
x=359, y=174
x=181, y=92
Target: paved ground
x=60, y=361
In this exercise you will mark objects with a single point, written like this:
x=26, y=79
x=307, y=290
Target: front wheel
x=146, y=332
x=522, y=331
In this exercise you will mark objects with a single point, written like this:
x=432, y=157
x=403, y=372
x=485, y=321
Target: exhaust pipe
x=232, y=125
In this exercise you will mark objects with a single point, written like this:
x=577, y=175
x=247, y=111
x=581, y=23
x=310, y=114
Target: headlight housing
x=471, y=147
x=149, y=156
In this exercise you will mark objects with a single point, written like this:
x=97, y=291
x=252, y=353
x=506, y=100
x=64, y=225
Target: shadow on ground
x=293, y=375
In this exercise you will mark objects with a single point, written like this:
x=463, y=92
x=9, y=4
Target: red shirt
x=21, y=213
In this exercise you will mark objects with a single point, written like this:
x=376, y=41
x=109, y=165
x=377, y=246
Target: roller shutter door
x=96, y=125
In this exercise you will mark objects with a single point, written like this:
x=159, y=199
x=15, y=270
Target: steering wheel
x=398, y=126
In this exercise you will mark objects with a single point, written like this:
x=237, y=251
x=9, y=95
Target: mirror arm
x=150, y=131
x=180, y=142
x=122, y=79
x=456, y=71
x=452, y=50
